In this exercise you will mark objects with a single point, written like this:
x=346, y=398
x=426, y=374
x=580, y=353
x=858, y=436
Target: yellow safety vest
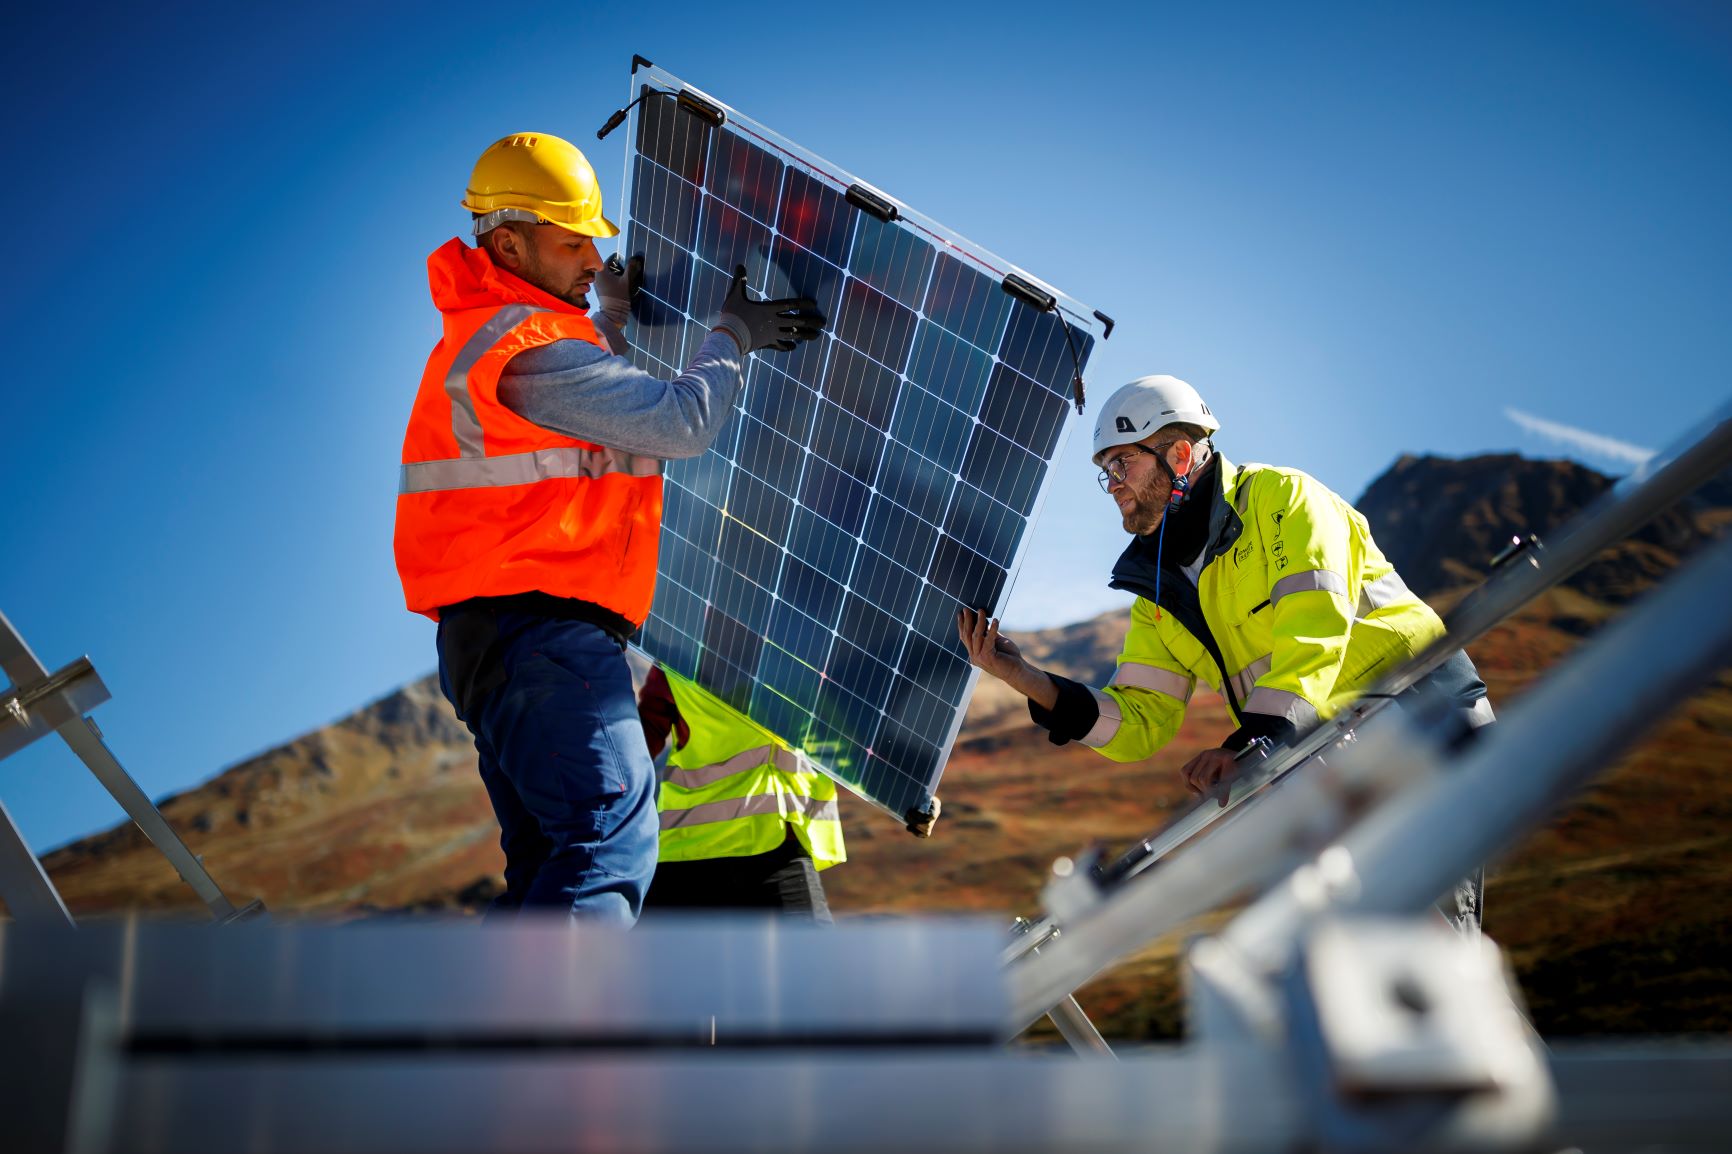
x=734, y=789
x=1304, y=609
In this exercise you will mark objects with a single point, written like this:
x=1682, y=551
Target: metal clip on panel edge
x=701, y=108
x=872, y=202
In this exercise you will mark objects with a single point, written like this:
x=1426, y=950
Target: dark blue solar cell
x=691, y=518
x=739, y=598
x=780, y=401
x=884, y=583
x=875, y=324
x=895, y=532
x=861, y=676
x=915, y=483
x=915, y=709
x=805, y=638
x=679, y=607
x=729, y=662
x=671, y=647
x=664, y=204
x=871, y=630
x=815, y=216
x=811, y=592
x=843, y=711
x=728, y=237
x=931, y=428
x=786, y=719
x=745, y=176
x=705, y=476
x=903, y=749
x=820, y=544
x=673, y=137
x=862, y=386
x=790, y=677
x=709, y=289
x=1003, y=469
x=939, y=671
x=966, y=575
x=1034, y=345
x=847, y=442
x=751, y=556
x=763, y=509
x=667, y=269
x=934, y=618
x=948, y=367
x=966, y=301
x=1027, y=413
x=834, y=495
x=660, y=330
x=891, y=259
x=689, y=565
x=827, y=744
x=768, y=454
x=983, y=524
x=796, y=272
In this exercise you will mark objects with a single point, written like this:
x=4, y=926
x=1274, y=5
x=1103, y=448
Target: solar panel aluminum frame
x=684, y=173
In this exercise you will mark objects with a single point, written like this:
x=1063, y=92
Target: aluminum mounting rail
x=39, y=703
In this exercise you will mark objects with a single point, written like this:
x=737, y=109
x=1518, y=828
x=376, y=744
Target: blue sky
x=1360, y=229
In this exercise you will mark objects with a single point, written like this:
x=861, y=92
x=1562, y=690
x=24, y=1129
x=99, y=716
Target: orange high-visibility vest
x=490, y=504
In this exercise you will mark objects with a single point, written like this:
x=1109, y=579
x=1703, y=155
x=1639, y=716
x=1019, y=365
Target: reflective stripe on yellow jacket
x=1304, y=608
x=734, y=789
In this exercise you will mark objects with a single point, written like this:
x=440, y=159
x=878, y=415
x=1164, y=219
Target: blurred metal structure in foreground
x=36, y=704
x=1333, y=1013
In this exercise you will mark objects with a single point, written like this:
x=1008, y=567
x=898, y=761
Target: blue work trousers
x=562, y=752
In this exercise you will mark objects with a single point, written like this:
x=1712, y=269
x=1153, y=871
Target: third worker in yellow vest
x=747, y=820
x=1257, y=580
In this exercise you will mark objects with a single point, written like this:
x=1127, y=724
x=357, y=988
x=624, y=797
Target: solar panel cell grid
x=813, y=559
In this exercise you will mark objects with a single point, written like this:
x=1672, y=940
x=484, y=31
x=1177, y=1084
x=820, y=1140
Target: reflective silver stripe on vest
x=1280, y=703
x=1325, y=579
x=743, y=762
x=1245, y=680
x=1140, y=676
x=465, y=425
x=521, y=469
x=737, y=807
x=1388, y=589
x=1106, y=726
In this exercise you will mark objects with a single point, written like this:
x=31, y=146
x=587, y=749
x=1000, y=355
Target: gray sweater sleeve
x=575, y=388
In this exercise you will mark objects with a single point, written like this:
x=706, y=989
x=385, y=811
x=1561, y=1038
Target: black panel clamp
x=1041, y=300
x=872, y=202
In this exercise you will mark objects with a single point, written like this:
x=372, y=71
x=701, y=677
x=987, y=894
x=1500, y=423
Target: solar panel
x=874, y=480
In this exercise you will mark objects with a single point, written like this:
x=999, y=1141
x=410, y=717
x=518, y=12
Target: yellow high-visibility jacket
x=734, y=789
x=1294, y=612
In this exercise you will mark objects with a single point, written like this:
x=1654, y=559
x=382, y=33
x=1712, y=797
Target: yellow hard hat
x=533, y=176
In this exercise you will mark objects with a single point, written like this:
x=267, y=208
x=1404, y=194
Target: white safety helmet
x=1145, y=406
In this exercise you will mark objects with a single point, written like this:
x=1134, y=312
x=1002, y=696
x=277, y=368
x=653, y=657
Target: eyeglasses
x=1118, y=468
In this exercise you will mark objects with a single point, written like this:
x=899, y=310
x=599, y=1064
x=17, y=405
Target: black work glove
x=616, y=286
x=777, y=324
x=920, y=822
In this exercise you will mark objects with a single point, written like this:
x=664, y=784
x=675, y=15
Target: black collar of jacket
x=1135, y=569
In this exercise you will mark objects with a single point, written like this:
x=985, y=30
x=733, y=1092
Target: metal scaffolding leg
x=41, y=702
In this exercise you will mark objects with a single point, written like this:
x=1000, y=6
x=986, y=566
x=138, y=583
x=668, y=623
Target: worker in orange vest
x=529, y=508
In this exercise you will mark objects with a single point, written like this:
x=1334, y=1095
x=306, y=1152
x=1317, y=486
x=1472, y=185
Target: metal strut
x=39, y=703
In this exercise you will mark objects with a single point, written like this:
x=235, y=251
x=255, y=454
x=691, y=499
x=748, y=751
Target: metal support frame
x=39, y=703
